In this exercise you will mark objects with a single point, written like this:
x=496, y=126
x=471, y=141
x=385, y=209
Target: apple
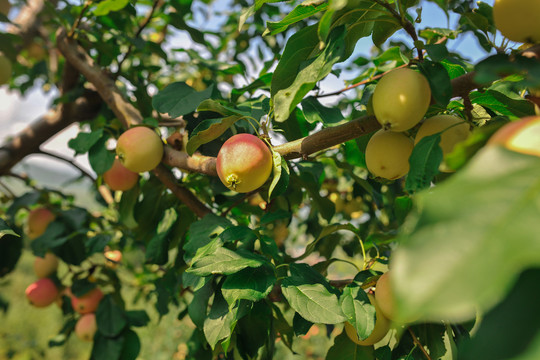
x=42, y=293
x=5, y=6
x=88, y=302
x=454, y=130
x=139, y=149
x=401, y=99
x=518, y=19
x=244, y=163
x=522, y=136
x=382, y=326
x=5, y=69
x=387, y=154
x=119, y=178
x=384, y=296
x=86, y=327
x=36, y=51
x=37, y=222
x=113, y=258
x=45, y=266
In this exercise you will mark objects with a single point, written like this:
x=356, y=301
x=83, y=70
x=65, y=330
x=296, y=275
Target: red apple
x=139, y=149
x=42, y=293
x=244, y=163
x=88, y=302
x=37, y=222
x=86, y=327
x=521, y=136
x=45, y=266
x=113, y=258
x=119, y=178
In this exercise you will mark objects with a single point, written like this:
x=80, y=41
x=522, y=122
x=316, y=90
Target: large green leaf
x=225, y=261
x=345, y=349
x=249, y=284
x=221, y=321
x=424, y=161
x=208, y=130
x=106, y=6
x=299, y=13
x=358, y=310
x=469, y=238
x=179, y=99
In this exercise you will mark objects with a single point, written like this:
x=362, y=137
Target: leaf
x=358, y=310
x=110, y=317
x=385, y=26
x=300, y=12
x=107, y=348
x=97, y=243
x=106, y=6
x=197, y=308
x=248, y=284
x=202, y=232
x=327, y=230
x=53, y=236
x=225, y=261
x=179, y=99
x=439, y=81
x=11, y=246
x=208, y=130
x=280, y=176
x=315, y=112
x=99, y=157
x=437, y=52
x=252, y=331
x=221, y=321
x=84, y=141
x=478, y=225
x=131, y=347
x=286, y=99
x=345, y=349
x=137, y=317
x=157, y=250
x=424, y=161
x=5, y=229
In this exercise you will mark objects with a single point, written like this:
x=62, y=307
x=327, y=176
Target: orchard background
x=189, y=269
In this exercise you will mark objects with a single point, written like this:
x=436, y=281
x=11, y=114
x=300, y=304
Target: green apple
x=387, y=154
x=139, y=149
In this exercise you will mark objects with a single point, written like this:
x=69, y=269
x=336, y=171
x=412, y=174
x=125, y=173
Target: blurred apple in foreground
x=86, y=327
x=42, y=293
x=522, y=136
x=37, y=222
x=45, y=266
x=88, y=302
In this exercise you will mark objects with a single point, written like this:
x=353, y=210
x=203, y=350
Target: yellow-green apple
x=37, y=222
x=382, y=326
x=401, y=99
x=522, y=136
x=86, y=327
x=139, y=149
x=454, y=130
x=387, y=154
x=88, y=302
x=120, y=178
x=45, y=266
x=113, y=258
x=518, y=19
x=384, y=296
x=244, y=163
x=42, y=293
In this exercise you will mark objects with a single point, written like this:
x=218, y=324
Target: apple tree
x=424, y=167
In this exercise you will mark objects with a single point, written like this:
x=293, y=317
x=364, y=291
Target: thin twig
x=69, y=161
x=79, y=19
x=420, y=346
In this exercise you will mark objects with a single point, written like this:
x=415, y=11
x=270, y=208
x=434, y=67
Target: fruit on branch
x=139, y=149
x=113, y=258
x=120, y=178
x=244, y=163
x=37, y=222
x=387, y=154
x=518, y=19
x=5, y=6
x=522, y=136
x=382, y=326
x=36, y=51
x=454, y=130
x=42, y=293
x=88, y=302
x=5, y=69
x=45, y=266
x=401, y=99
x=384, y=296
x=86, y=327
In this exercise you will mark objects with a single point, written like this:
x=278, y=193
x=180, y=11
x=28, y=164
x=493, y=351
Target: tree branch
x=68, y=161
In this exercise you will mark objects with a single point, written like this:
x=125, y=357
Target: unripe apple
x=244, y=163
x=119, y=178
x=37, y=222
x=387, y=154
x=384, y=296
x=87, y=303
x=86, y=327
x=5, y=6
x=36, y=51
x=45, y=266
x=382, y=326
x=5, y=69
x=42, y=293
x=454, y=130
x=518, y=19
x=113, y=258
x=522, y=136
x=401, y=99
x=139, y=149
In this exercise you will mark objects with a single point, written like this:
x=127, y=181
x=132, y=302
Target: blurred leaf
x=106, y=6
x=345, y=349
x=110, y=317
x=106, y=347
x=131, y=347
x=97, y=243
x=11, y=246
x=137, y=317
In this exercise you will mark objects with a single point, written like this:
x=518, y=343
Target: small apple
x=88, y=302
x=119, y=178
x=5, y=69
x=42, y=293
x=139, y=149
x=401, y=99
x=522, y=136
x=387, y=154
x=382, y=326
x=37, y=222
x=244, y=163
x=45, y=266
x=86, y=327
x=113, y=258
x=518, y=19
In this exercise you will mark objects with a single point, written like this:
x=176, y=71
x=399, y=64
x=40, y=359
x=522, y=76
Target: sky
x=17, y=112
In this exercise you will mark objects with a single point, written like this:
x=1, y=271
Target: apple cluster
x=400, y=101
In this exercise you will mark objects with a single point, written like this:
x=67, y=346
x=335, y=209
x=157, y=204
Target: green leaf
x=99, y=157
x=106, y=347
x=385, y=26
x=300, y=325
x=437, y=52
x=327, y=230
x=106, y=6
x=84, y=141
x=439, y=81
x=248, y=284
x=221, y=321
x=424, y=161
x=5, y=229
x=202, y=232
x=131, y=347
x=358, y=310
x=300, y=12
x=225, y=261
x=208, y=130
x=314, y=112
x=11, y=246
x=345, y=349
x=110, y=317
x=157, y=250
x=477, y=225
x=137, y=317
x=97, y=243
x=280, y=176
x=53, y=236
x=179, y=99
x=198, y=307
x=286, y=99
x=252, y=331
